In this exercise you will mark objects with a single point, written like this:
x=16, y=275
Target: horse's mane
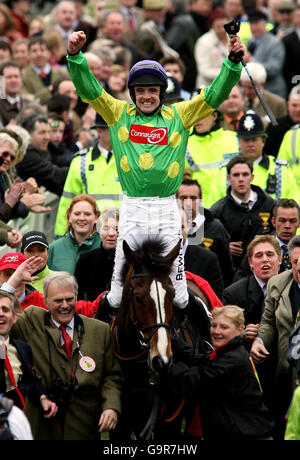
x=149, y=259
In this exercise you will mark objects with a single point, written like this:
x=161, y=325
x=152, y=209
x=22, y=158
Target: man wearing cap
x=149, y=141
x=36, y=244
x=91, y=171
x=25, y=293
x=291, y=42
x=263, y=47
x=285, y=23
x=274, y=176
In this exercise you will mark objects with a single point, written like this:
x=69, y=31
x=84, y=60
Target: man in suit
x=233, y=109
x=263, y=47
x=17, y=379
x=205, y=230
x=39, y=76
x=285, y=123
x=134, y=17
x=201, y=262
x=264, y=258
x=291, y=42
x=37, y=161
x=286, y=221
x=13, y=102
x=276, y=103
x=279, y=318
x=66, y=20
x=74, y=358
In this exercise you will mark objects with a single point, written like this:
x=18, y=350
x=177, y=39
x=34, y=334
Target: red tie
x=12, y=377
x=67, y=341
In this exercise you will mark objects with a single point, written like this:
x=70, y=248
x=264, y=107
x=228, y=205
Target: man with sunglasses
x=10, y=194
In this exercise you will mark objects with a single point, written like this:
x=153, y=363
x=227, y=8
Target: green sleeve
x=219, y=90
x=87, y=86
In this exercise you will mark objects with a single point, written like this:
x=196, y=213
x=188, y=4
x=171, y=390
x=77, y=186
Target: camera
x=61, y=393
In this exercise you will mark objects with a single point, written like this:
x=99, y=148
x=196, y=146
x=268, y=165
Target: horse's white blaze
x=158, y=293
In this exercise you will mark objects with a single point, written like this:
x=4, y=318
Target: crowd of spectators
x=240, y=189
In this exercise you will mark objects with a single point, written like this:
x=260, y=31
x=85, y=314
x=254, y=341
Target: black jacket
x=276, y=134
x=226, y=390
x=28, y=384
x=243, y=225
x=37, y=164
x=204, y=263
x=216, y=239
x=247, y=294
x=93, y=272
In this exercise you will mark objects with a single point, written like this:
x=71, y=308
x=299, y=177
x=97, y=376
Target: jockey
x=149, y=142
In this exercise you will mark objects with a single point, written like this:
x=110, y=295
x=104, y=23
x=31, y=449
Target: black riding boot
x=105, y=312
x=198, y=316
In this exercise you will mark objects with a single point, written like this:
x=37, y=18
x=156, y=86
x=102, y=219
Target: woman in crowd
x=35, y=243
x=223, y=384
x=81, y=235
x=94, y=269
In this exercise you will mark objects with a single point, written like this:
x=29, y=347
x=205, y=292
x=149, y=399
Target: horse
x=141, y=336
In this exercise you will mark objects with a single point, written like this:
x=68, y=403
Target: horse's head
x=150, y=296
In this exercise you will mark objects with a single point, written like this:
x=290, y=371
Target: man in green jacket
x=73, y=356
x=149, y=141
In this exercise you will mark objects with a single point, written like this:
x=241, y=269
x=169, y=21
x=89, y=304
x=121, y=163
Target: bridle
x=145, y=342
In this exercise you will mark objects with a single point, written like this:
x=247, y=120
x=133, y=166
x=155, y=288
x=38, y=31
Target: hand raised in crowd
x=25, y=271
x=13, y=194
x=14, y=238
x=76, y=42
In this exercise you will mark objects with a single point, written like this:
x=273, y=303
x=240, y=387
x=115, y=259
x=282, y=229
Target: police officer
x=290, y=150
x=209, y=145
x=92, y=171
x=273, y=175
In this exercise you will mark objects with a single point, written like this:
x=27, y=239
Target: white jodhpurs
x=149, y=218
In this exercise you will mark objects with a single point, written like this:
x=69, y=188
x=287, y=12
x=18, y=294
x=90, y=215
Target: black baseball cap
x=33, y=237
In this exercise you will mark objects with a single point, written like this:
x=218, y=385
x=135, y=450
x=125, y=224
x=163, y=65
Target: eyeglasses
x=7, y=154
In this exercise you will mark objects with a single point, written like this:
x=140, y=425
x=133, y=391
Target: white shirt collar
x=69, y=326
x=12, y=100
x=45, y=69
x=251, y=200
x=197, y=222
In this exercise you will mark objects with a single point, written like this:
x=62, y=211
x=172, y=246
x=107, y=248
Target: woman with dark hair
x=81, y=235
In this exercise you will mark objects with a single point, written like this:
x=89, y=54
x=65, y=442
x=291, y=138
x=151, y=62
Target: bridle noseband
x=145, y=342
